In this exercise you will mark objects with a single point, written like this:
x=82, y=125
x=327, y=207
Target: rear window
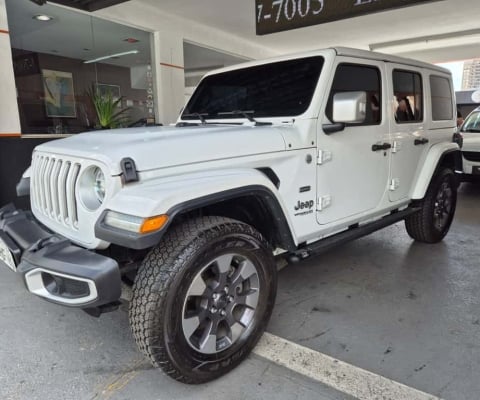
x=273, y=90
x=441, y=94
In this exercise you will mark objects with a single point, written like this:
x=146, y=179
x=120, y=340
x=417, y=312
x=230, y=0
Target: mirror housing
x=350, y=107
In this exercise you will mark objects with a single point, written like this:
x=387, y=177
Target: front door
x=352, y=174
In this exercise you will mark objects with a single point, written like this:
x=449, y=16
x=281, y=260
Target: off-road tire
x=421, y=225
x=156, y=309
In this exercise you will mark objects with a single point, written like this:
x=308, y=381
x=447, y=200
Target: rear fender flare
x=437, y=156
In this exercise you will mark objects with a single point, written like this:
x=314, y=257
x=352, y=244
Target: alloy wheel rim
x=220, y=303
x=443, y=206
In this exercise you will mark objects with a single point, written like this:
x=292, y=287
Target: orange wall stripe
x=4, y=31
x=171, y=65
x=10, y=135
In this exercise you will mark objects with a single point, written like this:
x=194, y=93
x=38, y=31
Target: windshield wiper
x=247, y=115
x=199, y=116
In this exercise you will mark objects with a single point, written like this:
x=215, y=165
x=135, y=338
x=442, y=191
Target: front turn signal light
x=153, y=224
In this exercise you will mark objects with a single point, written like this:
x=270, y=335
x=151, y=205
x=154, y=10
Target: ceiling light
x=43, y=17
x=111, y=56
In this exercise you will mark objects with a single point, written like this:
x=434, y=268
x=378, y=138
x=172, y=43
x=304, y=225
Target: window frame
x=329, y=104
x=422, y=96
x=451, y=97
x=190, y=111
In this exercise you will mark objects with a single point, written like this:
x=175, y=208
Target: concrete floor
x=404, y=310
x=407, y=311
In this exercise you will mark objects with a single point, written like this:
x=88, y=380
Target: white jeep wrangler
x=279, y=158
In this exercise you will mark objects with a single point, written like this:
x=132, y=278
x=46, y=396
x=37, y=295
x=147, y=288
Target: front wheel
x=203, y=297
x=432, y=222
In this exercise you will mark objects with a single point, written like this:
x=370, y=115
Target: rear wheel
x=432, y=222
x=203, y=297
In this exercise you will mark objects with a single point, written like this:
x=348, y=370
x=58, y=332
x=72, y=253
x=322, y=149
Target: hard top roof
x=341, y=51
x=372, y=55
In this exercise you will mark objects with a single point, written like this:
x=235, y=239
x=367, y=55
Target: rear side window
x=361, y=78
x=441, y=94
x=408, y=96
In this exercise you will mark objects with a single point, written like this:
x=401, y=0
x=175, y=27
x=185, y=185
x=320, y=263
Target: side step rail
x=354, y=232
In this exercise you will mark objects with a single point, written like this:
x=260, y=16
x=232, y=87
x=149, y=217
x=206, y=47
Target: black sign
x=283, y=15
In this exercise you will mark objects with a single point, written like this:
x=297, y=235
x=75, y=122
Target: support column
x=169, y=76
x=9, y=117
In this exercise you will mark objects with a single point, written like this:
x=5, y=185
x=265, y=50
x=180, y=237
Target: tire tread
x=159, y=269
x=418, y=225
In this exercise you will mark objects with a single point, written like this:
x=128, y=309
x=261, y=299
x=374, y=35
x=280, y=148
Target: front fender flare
x=186, y=193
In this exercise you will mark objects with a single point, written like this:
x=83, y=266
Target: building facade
x=471, y=74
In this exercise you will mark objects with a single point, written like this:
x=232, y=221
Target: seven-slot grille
x=53, y=188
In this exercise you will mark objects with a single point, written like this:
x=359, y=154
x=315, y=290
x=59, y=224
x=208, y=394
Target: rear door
x=407, y=126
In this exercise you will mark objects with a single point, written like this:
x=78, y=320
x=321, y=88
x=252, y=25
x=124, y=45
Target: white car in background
x=470, y=131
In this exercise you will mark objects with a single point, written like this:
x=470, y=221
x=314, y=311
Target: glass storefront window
x=71, y=68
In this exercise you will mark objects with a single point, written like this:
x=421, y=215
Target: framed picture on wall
x=103, y=89
x=59, y=94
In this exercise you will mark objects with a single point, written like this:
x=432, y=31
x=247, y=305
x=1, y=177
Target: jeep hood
x=162, y=147
x=471, y=141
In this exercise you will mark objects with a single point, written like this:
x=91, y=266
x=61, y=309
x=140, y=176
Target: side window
x=355, y=78
x=441, y=94
x=408, y=96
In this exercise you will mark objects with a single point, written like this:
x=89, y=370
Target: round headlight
x=92, y=188
x=99, y=184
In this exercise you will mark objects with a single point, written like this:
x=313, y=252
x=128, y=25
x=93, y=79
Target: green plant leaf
x=107, y=109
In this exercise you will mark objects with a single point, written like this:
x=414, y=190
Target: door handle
x=382, y=146
x=421, y=141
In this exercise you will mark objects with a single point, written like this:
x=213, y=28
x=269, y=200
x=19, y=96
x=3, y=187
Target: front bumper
x=54, y=268
x=471, y=162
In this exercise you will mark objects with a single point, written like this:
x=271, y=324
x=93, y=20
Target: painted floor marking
x=343, y=377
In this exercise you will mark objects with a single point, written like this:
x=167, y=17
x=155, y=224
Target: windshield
x=472, y=123
x=278, y=89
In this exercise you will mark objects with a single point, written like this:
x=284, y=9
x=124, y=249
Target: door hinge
x=394, y=184
x=324, y=156
x=324, y=202
x=397, y=146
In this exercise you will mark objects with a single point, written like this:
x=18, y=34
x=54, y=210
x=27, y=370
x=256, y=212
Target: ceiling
x=427, y=22
x=86, y=37
x=73, y=34
x=446, y=30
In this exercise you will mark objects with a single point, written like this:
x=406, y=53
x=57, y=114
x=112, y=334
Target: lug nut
x=213, y=310
x=223, y=313
x=215, y=296
x=225, y=289
x=230, y=299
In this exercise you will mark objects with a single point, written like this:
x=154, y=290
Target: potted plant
x=107, y=109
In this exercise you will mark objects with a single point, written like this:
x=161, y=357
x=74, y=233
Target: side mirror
x=349, y=107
